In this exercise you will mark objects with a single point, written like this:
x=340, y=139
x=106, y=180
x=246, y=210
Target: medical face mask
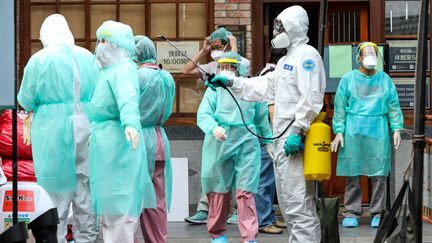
x=99, y=49
x=216, y=54
x=369, y=62
x=369, y=54
x=281, y=41
x=105, y=54
x=227, y=73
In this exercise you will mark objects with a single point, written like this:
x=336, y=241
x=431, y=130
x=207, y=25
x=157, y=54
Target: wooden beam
x=257, y=36
x=377, y=21
x=430, y=54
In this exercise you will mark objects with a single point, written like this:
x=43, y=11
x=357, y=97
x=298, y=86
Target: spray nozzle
x=162, y=37
x=210, y=77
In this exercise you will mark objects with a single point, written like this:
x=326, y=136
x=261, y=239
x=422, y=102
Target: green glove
x=292, y=144
x=219, y=81
x=209, y=85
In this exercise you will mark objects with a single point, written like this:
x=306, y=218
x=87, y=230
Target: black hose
x=244, y=123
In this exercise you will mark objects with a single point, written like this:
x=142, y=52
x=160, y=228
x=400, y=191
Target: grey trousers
x=202, y=202
x=353, y=196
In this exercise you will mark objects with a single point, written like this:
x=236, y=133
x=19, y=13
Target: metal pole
x=322, y=24
x=319, y=189
x=14, y=168
x=419, y=117
x=15, y=140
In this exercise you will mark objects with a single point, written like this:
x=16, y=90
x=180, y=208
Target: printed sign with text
x=171, y=59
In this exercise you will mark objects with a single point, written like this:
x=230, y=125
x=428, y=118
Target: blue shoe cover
x=375, y=222
x=220, y=239
x=350, y=222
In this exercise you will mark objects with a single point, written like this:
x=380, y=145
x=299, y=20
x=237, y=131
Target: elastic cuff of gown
x=212, y=129
x=338, y=131
x=133, y=125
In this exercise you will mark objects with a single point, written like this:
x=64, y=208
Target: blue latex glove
x=292, y=144
x=218, y=81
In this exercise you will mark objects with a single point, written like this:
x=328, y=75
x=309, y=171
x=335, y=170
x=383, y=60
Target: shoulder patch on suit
x=308, y=65
x=288, y=67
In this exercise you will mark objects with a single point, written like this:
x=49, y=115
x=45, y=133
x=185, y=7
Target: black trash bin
x=44, y=227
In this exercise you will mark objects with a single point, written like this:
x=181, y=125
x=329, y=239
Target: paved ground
x=180, y=232
x=183, y=233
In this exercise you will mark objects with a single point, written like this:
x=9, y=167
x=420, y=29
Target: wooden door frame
x=376, y=31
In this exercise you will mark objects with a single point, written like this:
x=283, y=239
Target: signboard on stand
x=171, y=59
x=180, y=191
x=7, y=54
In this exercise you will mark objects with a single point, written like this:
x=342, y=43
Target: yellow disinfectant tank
x=317, y=154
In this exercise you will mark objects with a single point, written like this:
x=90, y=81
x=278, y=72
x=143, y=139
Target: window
x=347, y=23
x=345, y=26
x=179, y=20
x=402, y=17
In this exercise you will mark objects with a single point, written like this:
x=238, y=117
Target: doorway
x=347, y=22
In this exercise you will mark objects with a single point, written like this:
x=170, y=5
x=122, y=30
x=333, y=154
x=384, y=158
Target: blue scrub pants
x=266, y=191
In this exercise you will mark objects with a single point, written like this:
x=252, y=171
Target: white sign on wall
x=171, y=59
x=180, y=190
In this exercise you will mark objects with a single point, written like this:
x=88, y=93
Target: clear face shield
x=227, y=67
x=370, y=55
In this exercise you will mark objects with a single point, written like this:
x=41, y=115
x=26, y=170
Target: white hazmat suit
x=296, y=87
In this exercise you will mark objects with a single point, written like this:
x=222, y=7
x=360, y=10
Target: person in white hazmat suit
x=297, y=89
x=57, y=86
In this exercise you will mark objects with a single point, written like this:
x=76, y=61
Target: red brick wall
x=235, y=12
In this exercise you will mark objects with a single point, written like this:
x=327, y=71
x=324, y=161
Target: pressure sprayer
x=210, y=76
x=317, y=154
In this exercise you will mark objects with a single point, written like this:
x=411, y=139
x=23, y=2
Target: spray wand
x=210, y=76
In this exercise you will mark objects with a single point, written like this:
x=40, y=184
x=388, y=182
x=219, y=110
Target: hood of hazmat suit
x=55, y=31
x=117, y=33
x=295, y=24
x=234, y=163
x=157, y=91
x=115, y=106
x=115, y=43
x=57, y=86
